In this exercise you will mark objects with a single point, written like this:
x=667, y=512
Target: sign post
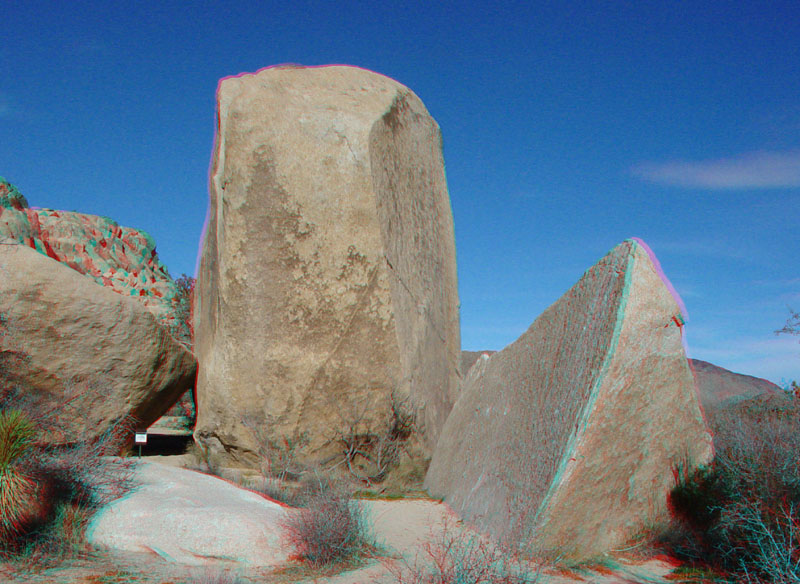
x=140, y=438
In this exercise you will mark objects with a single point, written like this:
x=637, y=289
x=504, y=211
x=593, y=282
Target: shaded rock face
x=64, y=334
x=566, y=440
x=327, y=283
x=121, y=259
x=719, y=387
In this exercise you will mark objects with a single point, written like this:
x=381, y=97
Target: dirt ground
x=403, y=530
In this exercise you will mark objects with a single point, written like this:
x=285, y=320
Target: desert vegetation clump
x=741, y=514
x=182, y=330
x=330, y=528
x=49, y=490
x=360, y=449
x=369, y=454
x=463, y=557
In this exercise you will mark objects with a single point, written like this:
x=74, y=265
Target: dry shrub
x=286, y=492
x=371, y=450
x=741, y=515
x=330, y=529
x=48, y=492
x=464, y=558
x=278, y=458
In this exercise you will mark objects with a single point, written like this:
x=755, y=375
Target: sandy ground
x=403, y=529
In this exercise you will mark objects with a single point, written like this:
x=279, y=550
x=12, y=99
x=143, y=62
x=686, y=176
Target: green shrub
x=742, y=513
x=24, y=491
x=17, y=433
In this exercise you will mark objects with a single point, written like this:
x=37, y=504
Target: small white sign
x=141, y=438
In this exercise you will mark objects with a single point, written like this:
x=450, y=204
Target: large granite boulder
x=120, y=259
x=719, y=387
x=63, y=336
x=566, y=441
x=327, y=292
x=187, y=517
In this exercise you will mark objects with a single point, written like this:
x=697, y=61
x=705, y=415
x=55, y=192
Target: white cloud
x=752, y=170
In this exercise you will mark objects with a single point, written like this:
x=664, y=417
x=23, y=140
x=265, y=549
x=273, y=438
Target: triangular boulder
x=567, y=440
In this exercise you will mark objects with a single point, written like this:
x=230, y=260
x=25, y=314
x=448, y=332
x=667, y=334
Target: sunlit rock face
x=568, y=440
x=327, y=285
x=121, y=260
x=91, y=356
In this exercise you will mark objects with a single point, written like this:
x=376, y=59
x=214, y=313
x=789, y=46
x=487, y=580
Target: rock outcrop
x=64, y=335
x=121, y=259
x=567, y=439
x=719, y=387
x=327, y=284
x=235, y=526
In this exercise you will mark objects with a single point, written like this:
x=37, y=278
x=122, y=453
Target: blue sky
x=567, y=127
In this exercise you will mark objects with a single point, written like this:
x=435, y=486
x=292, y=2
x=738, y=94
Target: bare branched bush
x=463, y=558
x=743, y=512
x=792, y=326
x=369, y=452
x=330, y=529
x=278, y=458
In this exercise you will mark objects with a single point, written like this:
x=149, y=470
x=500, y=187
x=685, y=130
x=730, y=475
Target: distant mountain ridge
x=716, y=385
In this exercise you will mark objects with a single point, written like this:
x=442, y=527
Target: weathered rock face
x=69, y=333
x=566, y=440
x=327, y=280
x=719, y=387
x=161, y=516
x=119, y=258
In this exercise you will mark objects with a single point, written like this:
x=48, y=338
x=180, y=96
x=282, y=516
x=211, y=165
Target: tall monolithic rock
x=327, y=285
x=567, y=440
